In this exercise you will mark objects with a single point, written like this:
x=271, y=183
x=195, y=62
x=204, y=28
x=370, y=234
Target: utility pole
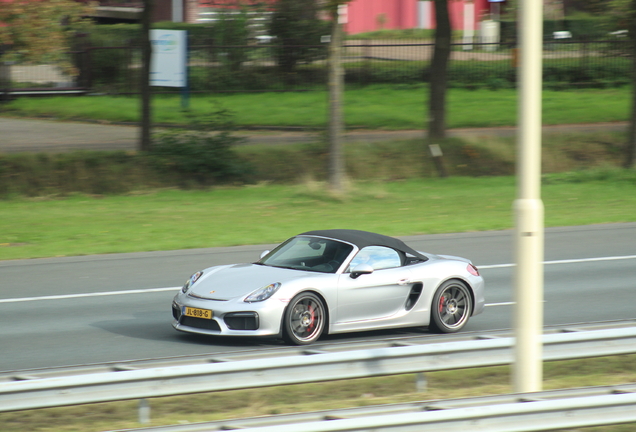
x=528, y=207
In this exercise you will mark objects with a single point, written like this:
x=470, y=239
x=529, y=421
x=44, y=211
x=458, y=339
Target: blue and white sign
x=168, y=67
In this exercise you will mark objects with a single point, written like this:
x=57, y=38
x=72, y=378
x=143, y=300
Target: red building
x=371, y=15
x=363, y=15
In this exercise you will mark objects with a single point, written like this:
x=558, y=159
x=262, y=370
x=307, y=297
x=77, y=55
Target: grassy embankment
x=375, y=107
x=171, y=219
x=394, y=197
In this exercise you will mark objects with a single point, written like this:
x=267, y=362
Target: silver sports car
x=331, y=281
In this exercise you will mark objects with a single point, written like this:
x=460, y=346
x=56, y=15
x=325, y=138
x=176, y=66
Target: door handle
x=403, y=282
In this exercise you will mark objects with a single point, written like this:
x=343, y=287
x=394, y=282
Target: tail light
x=472, y=270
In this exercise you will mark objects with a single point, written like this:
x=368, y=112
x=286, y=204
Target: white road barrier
x=178, y=380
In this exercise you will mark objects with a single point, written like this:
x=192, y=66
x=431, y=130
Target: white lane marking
x=571, y=261
x=153, y=290
x=97, y=294
x=583, y=260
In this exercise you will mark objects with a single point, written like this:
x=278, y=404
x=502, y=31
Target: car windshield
x=308, y=254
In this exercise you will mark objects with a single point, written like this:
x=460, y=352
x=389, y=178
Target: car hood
x=239, y=280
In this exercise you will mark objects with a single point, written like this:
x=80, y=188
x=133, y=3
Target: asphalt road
x=27, y=135
x=109, y=308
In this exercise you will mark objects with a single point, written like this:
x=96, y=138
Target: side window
x=378, y=257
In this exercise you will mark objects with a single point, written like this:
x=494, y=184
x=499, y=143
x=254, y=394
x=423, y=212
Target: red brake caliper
x=310, y=327
x=442, y=301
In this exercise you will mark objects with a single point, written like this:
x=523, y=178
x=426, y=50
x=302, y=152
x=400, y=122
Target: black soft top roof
x=365, y=238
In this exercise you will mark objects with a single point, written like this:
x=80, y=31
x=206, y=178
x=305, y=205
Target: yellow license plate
x=197, y=313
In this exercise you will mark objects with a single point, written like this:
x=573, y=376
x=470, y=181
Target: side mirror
x=361, y=269
x=264, y=253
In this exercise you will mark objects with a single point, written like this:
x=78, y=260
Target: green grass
x=375, y=107
x=320, y=396
x=171, y=219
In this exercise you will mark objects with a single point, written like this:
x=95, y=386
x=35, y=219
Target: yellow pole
x=527, y=372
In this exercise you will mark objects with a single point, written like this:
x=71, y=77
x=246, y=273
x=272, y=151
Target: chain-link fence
x=271, y=67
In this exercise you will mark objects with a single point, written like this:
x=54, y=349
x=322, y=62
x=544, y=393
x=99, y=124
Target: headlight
x=195, y=277
x=263, y=293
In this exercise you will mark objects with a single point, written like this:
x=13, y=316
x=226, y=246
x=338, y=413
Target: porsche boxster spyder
x=331, y=281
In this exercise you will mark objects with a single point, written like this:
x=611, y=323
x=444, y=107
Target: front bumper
x=229, y=318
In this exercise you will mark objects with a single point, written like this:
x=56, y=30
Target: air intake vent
x=241, y=320
x=414, y=295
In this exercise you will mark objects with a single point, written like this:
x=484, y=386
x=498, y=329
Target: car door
x=378, y=295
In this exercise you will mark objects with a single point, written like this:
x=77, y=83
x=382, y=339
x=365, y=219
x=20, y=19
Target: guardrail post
x=421, y=382
x=144, y=411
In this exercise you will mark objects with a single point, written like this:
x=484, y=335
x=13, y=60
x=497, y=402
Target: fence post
x=89, y=68
x=130, y=58
x=584, y=47
x=211, y=66
x=5, y=79
x=367, y=62
x=5, y=74
x=81, y=42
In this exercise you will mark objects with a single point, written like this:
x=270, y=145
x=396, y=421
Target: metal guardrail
x=270, y=349
x=178, y=380
x=547, y=410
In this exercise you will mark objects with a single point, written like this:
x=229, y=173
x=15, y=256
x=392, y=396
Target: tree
x=336, y=84
x=144, y=84
x=627, y=10
x=630, y=146
x=231, y=29
x=593, y=6
x=43, y=31
x=621, y=15
x=297, y=29
x=439, y=72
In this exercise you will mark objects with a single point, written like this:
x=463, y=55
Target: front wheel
x=304, y=319
x=451, y=308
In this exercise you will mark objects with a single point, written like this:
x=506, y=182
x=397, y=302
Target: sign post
x=169, y=66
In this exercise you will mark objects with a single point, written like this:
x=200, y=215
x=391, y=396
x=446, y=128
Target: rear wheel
x=451, y=308
x=304, y=319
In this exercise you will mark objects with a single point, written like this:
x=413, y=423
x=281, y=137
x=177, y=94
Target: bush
x=109, y=68
x=196, y=159
x=130, y=34
x=94, y=173
x=203, y=156
x=608, y=174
